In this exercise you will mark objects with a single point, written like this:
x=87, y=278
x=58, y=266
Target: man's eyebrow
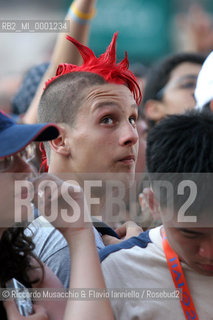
x=99, y=105
x=190, y=231
x=188, y=77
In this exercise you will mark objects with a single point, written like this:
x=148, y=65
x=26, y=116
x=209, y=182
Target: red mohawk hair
x=105, y=66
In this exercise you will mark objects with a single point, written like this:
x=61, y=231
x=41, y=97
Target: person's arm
x=85, y=270
x=127, y=230
x=86, y=273
x=64, y=52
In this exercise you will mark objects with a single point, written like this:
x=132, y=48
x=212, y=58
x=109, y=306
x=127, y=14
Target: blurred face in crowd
x=12, y=168
x=178, y=94
x=193, y=245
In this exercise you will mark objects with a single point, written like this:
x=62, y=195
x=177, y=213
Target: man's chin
x=127, y=177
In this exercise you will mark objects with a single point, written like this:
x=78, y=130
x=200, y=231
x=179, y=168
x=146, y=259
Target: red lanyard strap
x=179, y=280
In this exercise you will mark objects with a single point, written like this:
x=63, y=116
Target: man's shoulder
x=141, y=241
x=44, y=234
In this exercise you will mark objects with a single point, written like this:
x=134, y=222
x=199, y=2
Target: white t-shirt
x=139, y=264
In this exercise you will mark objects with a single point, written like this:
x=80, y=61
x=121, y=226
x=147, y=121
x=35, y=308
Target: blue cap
x=15, y=137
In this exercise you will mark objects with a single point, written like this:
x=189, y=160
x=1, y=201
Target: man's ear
x=154, y=110
x=61, y=143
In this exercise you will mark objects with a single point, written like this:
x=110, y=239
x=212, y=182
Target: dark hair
x=180, y=147
x=16, y=253
x=62, y=98
x=159, y=74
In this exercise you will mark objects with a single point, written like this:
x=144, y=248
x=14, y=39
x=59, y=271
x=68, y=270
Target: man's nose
x=129, y=135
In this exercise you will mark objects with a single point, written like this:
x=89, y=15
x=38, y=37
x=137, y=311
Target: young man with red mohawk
x=95, y=105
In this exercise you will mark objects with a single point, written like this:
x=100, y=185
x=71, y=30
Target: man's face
x=194, y=246
x=105, y=138
x=178, y=94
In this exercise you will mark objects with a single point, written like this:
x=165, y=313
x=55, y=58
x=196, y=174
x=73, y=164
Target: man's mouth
x=207, y=267
x=128, y=160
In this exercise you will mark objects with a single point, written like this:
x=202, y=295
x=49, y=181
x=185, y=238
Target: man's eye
x=107, y=120
x=189, y=235
x=132, y=120
x=188, y=85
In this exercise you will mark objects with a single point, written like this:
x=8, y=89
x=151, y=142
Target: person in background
x=179, y=253
x=169, y=89
x=16, y=248
x=170, y=86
